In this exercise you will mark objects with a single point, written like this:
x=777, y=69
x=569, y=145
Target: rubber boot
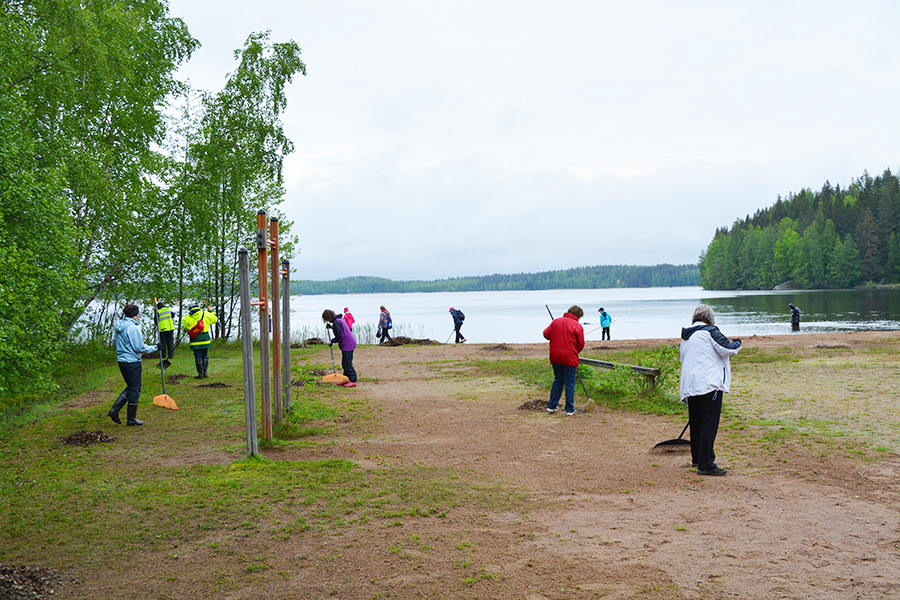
x=205, y=368
x=199, y=364
x=132, y=415
x=116, y=407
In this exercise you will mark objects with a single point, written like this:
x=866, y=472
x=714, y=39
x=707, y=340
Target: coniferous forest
x=834, y=238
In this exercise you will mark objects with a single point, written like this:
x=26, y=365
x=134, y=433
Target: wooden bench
x=651, y=374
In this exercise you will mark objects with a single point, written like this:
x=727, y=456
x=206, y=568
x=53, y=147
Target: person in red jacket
x=566, y=337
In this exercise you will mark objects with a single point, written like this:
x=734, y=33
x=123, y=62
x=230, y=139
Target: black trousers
x=166, y=344
x=347, y=364
x=131, y=373
x=457, y=327
x=385, y=336
x=704, y=412
x=604, y=335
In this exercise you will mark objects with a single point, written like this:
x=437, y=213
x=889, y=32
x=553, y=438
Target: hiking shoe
x=717, y=471
x=569, y=414
x=350, y=384
x=462, y=340
x=552, y=410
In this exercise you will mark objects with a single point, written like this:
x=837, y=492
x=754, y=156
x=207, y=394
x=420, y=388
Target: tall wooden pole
x=286, y=330
x=246, y=333
x=276, y=318
x=262, y=247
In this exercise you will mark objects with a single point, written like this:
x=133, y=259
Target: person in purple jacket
x=345, y=341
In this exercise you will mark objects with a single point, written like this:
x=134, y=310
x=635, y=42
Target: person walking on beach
x=605, y=322
x=197, y=323
x=166, y=333
x=795, y=317
x=348, y=318
x=129, y=347
x=705, y=377
x=385, y=323
x=345, y=341
x=458, y=318
x=566, y=337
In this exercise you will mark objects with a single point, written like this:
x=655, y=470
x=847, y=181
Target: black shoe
x=114, y=415
x=133, y=422
x=716, y=471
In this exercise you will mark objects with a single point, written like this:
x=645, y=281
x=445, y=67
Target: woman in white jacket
x=705, y=377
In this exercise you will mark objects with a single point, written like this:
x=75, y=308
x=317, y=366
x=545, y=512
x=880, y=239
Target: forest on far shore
x=830, y=239
x=581, y=278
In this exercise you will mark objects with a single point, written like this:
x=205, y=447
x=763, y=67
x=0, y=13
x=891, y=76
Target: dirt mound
x=217, y=384
x=401, y=340
x=308, y=342
x=175, y=378
x=86, y=438
x=534, y=405
x=26, y=583
x=498, y=348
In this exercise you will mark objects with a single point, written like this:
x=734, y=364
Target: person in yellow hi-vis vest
x=196, y=323
x=166, y=333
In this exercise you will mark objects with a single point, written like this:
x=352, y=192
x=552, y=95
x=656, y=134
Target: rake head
x=165, y=401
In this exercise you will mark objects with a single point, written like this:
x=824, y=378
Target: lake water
x=638, y=313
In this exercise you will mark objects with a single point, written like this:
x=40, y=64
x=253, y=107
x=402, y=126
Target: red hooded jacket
x=566, y=337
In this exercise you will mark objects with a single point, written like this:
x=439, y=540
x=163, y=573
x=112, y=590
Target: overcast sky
x=445, y=139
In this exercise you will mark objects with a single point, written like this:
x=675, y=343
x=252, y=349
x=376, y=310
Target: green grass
x=620, y=388
x=185, y=476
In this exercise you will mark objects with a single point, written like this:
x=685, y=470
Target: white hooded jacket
x=705, y=360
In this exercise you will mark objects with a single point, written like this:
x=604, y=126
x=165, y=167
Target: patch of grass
x=756, y=355
x=620, y=388
x=184, y=477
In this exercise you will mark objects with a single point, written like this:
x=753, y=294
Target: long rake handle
x=162, y=368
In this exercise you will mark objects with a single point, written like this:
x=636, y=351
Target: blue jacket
x=129, y=342
x=605, y=319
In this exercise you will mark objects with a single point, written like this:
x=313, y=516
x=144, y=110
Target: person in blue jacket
x=458, y=318
x=384, y=324
x=129, y=347
x=605, y=322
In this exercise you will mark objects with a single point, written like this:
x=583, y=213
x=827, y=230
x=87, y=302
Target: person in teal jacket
x=605, y=322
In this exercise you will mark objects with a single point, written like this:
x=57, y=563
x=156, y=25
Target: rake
x=675, y=444
x=163, y=400
x=333, y=377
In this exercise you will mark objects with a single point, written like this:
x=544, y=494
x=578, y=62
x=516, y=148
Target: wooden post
x=262, y=248
x=276, y=319
x=286, y=330
x=246, y=333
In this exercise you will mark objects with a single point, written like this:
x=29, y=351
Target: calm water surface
x=638, y=313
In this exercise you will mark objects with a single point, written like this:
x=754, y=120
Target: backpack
x=462, y=317
x=390, y=322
